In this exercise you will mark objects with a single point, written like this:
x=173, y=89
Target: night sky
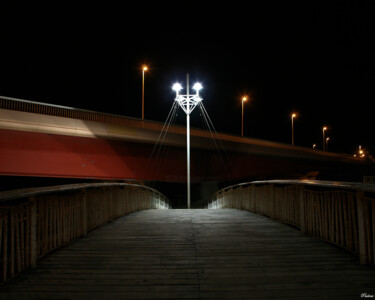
x=315, y=58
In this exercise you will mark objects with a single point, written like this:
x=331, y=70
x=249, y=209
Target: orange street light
x=293, y=116
x=244, y=99
x=324, y=138
x=144, y=68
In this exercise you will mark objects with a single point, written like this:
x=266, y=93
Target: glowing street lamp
x=324, y=138
x=177, y=87
x=244, y=99
x=361, y=153
x=292, y=117
x=188, y=103
x=144, y=68
x=327, y=140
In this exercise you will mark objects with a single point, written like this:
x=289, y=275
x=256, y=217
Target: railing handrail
x=92, y=112
x=10, y=195
x=357, y=186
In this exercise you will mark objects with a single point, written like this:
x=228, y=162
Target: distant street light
x=327, y=140
x=361, y=153
x=244, y=99
x=144, y=68
x=187, y=103
x=324, y=138
x=293, y=116
x=314, y=146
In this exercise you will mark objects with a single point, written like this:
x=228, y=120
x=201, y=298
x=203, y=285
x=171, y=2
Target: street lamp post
x=293, y=116
x=244, y=99
x=324, y=138
x=327, y=140
x=143, y=91
x=187, y=103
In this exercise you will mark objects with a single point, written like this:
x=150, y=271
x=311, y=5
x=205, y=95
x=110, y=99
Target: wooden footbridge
x=192, y=254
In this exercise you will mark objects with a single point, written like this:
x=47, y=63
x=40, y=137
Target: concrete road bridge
x=38, y=139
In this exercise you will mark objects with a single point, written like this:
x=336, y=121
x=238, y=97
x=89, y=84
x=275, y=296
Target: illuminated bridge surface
x=195, y=254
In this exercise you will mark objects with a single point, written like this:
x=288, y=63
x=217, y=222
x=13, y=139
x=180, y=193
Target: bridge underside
x=25, y=153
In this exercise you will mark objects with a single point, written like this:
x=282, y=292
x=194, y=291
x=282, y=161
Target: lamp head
x=197, y=86
x=177, y=87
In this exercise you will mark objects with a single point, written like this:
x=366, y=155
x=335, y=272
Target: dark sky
x=315, y=58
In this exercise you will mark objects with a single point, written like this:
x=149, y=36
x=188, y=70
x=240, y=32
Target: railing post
x=361, y=216
x=84, y=212
x=253, y=186
x=33, y=234
x=5, y=247
x=242, y=198
x=272, y=200
x=111, y=203
x=302, y=209
x=373, y=230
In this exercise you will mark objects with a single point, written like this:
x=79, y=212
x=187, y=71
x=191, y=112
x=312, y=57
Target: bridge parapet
x=337, y=212
x=36, y=221
x=40, y=108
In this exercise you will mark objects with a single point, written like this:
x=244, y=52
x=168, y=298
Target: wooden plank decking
x=195, y=254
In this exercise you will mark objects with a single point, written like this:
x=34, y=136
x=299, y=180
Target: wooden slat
x=11, y=242
x=4, y=245
x=17, y=238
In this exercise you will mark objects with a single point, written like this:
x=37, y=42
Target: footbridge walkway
x=245, y=251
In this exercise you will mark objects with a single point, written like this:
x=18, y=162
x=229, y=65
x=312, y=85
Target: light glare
x=197, y=86
x=177, y=87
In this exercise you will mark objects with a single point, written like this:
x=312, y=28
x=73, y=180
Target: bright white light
x=197, y=86
x=177, y=87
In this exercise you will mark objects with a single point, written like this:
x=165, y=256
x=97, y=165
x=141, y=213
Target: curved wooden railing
x=339, y=213
x=36, y=221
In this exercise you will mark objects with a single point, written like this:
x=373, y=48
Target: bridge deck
x=195, y=254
